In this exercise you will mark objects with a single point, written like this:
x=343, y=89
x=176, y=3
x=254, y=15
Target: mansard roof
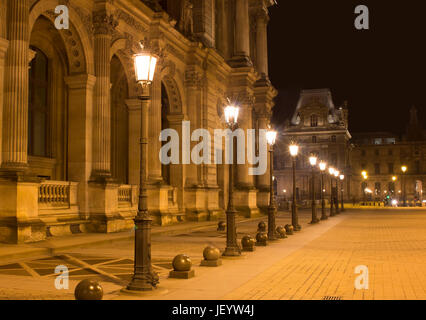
x=320, y=97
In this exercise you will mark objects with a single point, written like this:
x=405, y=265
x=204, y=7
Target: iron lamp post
x=404, y=195
x=294, y=150
x=322, y=167
x=331, y=172
x=144, y=278
x=271, y=137
x=342, y=206
x=336, y=192
x=232, y=248
x=313, y=161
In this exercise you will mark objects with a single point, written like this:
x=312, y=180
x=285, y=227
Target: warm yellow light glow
x=294, y=150
x=313, y=160
x=393, y=178
x=144, y=67
x=271, y=137
x=284, y=191
x=322, y=166
x=342, y=177
x=336, y=173
x=404, y=168
x=331, y=170
x=231, y=114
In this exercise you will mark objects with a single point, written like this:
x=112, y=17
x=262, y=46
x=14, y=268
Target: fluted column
x=104, y=24
x=241, y=56
x=262, y=19
x=3, y=48
x=15, y=111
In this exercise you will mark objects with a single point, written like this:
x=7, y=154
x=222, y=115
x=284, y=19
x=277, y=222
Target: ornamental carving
x=104, y=23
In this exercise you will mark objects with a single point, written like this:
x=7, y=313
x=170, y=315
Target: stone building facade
x=70, y=114
x=320, y=128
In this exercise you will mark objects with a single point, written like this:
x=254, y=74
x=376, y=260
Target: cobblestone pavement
x=316, y=263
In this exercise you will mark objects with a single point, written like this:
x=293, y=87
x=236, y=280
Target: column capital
x=104, y=23
x=80, y=81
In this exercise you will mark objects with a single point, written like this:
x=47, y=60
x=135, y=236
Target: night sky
x=381, y=71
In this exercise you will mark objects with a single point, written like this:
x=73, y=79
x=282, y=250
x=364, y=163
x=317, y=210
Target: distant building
x=320, y=128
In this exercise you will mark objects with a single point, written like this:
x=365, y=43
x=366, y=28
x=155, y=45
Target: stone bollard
x=88, y=290
x=182, y=267
x=221, y=226
x=211, y=257
x=261, y=227
x=248, y=243
x=262, y=239
x=281, y=232
x=289, y=229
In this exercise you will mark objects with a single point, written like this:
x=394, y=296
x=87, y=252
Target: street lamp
x=144, y=277
x=294, y=150
x=313, y=161
x=271, y=136
x=336, y=194
x=232, y=249
x=365, y=177
x=331, y=172
x=322, y=167
x=404, y=195
x=342, y=177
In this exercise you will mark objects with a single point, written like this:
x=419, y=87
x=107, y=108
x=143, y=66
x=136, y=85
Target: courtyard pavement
x=316, y=263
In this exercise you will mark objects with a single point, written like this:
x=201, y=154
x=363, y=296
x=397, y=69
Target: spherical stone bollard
x=281, y=232
x=88, y=290
x=248, y=243
x=221, y=226
x=182, y=267
x=261, y=227
x=289, y=229
x=211, y=257
x=262, y=239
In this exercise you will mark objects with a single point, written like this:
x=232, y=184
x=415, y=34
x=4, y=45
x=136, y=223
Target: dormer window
x=314, y=120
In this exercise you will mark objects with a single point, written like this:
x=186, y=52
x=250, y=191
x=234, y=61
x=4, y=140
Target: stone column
x=262, y=19
x=222, y=37
x=104, y=24
x=241, y=56
x=3, y=48
x=15, y=111
x=80, y=104
x=204, y=21
x=154, y=144
x=134, y=106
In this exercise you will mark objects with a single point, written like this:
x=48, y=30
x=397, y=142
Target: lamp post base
x=232, y=252
x=272, y=236
x=314, y=221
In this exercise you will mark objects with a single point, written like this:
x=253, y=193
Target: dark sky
x=381, y=71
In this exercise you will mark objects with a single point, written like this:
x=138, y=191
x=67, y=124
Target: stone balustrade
x=57, y=194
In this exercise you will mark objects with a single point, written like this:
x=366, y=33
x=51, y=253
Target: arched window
x=38, y=105
x=314, y=120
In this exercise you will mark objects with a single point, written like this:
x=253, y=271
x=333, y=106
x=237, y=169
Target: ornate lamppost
x=144, y=278
x=232, y=248
x=365, y=177
x=322, y=167
x=331, y=172
x=271, y=137
x=404, y=195
x=313, y=161
x=336, y=192
x=342, y=206
x=294, y=150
